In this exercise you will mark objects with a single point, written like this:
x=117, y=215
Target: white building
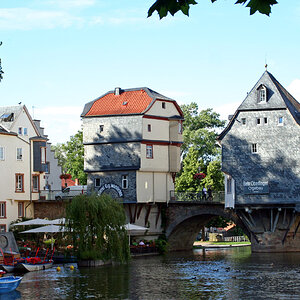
x=23, y=164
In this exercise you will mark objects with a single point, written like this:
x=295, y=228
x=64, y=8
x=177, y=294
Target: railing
x=48, y=195
x=217, y=197
x=240, y=238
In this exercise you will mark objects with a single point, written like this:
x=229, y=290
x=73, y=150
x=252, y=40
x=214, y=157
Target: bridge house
x=261, y=162
x=132, y=141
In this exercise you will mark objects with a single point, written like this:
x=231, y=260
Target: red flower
x=199, y=176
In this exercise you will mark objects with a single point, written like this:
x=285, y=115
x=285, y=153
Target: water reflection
x=213, y=274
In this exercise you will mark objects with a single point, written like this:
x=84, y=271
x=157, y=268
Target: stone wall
x=49, y=209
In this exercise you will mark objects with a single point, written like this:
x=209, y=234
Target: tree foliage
x=199, y=149
x=163, y=7
x=97, y=224
x=70, y=157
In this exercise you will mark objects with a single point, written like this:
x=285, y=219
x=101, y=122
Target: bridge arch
x=186, y=220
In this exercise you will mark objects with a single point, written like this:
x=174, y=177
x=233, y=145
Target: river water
x=232, y=273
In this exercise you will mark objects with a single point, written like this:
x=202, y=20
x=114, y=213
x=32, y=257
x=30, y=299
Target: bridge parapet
x=196, y=197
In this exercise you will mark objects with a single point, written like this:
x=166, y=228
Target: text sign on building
x=256, y=187
x=112, y=186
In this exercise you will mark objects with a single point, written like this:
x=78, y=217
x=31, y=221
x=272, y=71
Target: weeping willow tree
x=97, y=227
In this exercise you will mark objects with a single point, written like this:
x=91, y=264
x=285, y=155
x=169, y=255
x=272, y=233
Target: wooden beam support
x=139, y=210
x=262, y=220
x=147, y=214
x=158, y=214
x=296, y=230
x=276, y=221
x=130, y=213
x=289, y=227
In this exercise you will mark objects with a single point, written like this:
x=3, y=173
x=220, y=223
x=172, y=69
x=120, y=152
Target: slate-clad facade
x=261, y=162
x=261, y=146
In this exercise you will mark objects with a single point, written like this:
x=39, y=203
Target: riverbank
x=204, y=245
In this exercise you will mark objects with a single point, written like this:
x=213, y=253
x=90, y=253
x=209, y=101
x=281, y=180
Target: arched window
x=262, y=94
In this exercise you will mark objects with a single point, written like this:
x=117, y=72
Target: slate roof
x=128, y=102
x=277, y=98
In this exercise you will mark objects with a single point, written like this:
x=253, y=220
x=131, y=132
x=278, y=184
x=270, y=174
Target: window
x=97, y=182
x=163, y=105
x=20, y=209
x=266, y=120
x=149, y=151
x=124, y=181
x=254, y=148
x=19, y=153
x=149, y=127
x=2, y=154
x=262, y=94
x=2, y=210
x=2, y=228
x=47, y=168
x=35, y=183
x=180, y=128
x=25, y=132
x=20, y=130
x=43, y=155
x=101, y=128
x=243, y=121
x=229, y=185
x=19, y=183
x=258, y=121
x=280, y=121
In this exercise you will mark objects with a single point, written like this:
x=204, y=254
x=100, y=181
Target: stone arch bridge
x=185, y=220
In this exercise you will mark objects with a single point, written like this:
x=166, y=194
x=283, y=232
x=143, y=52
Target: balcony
x=196, y=197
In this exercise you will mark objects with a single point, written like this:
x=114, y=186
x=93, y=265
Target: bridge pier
x=272, y=229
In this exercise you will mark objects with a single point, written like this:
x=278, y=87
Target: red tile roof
x=128, y=102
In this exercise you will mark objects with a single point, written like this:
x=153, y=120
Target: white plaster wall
x=160, y=160
x=159, y=129
x=157, y=110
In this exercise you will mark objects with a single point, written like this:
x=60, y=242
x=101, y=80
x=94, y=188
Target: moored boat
x=9, y=283
x=29, y=267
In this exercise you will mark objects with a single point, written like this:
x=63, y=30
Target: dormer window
x=262, y=94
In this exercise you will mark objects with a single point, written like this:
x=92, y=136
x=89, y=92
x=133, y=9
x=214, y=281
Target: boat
x=8, y=268
x=9, y=283
x=33, y=265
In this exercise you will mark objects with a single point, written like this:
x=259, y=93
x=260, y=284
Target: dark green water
x=233, y=273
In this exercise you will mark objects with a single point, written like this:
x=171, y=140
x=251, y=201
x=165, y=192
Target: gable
x=273, y=96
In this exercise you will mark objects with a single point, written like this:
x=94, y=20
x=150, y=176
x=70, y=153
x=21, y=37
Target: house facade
x=23, y=164
x=132, y=144
x=261, y=162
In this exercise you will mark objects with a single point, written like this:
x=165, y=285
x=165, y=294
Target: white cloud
x=60, y=122
x=226, y=109
x=26, y=19
x=294, y=88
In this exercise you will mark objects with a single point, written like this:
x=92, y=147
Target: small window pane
x=258, y=121
x=25, y=131
x=149, y=151
x=35, y=183
x=20, y=131
x=101, y=128
x=229, y=185
x=163, y=105
x=254, y=148
x=20, y=210
x=244, y=121
x=19, y=153
x=266, y=120
x=2, y=210
x=43, y=155
x=124, y=181
x=149, y=127
x=280, y=120
x=2, y=153
x=97, y=182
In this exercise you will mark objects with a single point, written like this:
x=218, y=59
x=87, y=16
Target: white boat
x=8, y=268
x=29, y=267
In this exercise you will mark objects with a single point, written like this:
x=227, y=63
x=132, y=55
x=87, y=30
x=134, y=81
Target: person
x=141, y=243
x=204, y=192
x=209, y=194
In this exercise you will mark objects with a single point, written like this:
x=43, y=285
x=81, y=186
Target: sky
x=58, y=55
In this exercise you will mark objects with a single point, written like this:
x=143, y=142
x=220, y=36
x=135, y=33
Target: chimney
x=76, y=181
x=117, y=91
